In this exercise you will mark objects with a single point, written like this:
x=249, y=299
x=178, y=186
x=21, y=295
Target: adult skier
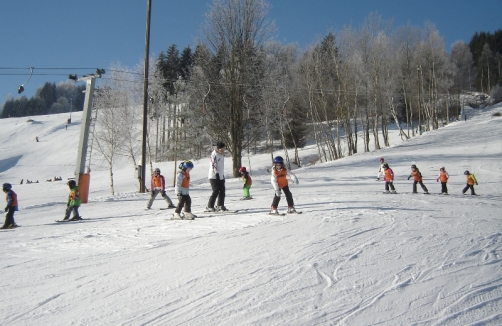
x=216, y=178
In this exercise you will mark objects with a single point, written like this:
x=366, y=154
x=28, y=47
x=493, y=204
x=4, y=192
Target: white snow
x=354, y=257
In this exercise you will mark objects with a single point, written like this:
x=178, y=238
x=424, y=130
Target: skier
x=443, y=177
x=11, y=198
x=158, y=184
x=471, y=181
x=246, y=178
x=217, y=179
x=279, y=181
x=417, y=178
x=73, y=202
x=388, y=177
x=380, y=170
x=182, y=191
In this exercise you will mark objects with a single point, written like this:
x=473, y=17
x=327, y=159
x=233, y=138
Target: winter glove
x=378, y=179
x=217, y=176
x=153, y=193
x=409, y=178
x=67, y=204
x=179, y=194
x=244, y=187
x=437, y=180
x=476, y=183
x=278, y=193
x=6, y=208
x=163, y=194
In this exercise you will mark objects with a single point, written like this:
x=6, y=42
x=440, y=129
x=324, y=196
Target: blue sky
x=95, y=33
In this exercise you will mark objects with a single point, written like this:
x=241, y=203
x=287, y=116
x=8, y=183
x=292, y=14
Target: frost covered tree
x=234, y=32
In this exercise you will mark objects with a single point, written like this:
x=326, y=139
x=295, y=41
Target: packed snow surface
x=355, y=256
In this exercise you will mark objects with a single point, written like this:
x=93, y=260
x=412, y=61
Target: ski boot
x=273, y=211
x=291, y=210
x=210, y=210
x=393, y=192
x=189, y=216
x=177, y=216
x=221, y=209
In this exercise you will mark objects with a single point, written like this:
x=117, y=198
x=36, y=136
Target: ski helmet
x=278, y=159
x=157, y=170
x=6, y=186
x=381, y=159
x=385, y=166
x=441, y=168
x=242, y=170
x=186, y=165
x=413, y=166
x=466, y=172
x=72, y=184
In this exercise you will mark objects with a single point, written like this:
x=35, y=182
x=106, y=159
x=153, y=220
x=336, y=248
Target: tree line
x=254, y=94
x=49, y=98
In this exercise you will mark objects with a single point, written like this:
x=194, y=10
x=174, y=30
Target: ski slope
x=354, y=257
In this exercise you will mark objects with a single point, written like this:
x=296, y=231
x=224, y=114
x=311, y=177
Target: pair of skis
x=70, y=220
x=284, y=214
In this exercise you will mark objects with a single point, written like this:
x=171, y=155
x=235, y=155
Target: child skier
x=158, y=184
x=11, y=207
x=443, y=177
x=73, y=202
x=417, y=178
x=280, y=181
x=182, y=191
x=246, y=178
x=388, y=177
x=380, y=170
x=471, y=181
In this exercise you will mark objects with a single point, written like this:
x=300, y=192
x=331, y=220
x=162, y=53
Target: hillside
x=354, y=257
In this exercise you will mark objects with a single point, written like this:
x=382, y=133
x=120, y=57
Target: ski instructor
x=217, y=178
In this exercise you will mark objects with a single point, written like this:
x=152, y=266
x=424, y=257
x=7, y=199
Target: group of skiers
x=216, y=176
x=279, y=179
x=443, y=176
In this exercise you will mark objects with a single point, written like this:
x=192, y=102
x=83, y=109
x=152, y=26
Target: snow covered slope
x=354, y=257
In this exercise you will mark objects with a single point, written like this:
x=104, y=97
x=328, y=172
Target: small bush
x=497, y=114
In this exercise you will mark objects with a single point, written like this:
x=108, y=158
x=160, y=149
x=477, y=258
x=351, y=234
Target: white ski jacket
x=216, y=165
